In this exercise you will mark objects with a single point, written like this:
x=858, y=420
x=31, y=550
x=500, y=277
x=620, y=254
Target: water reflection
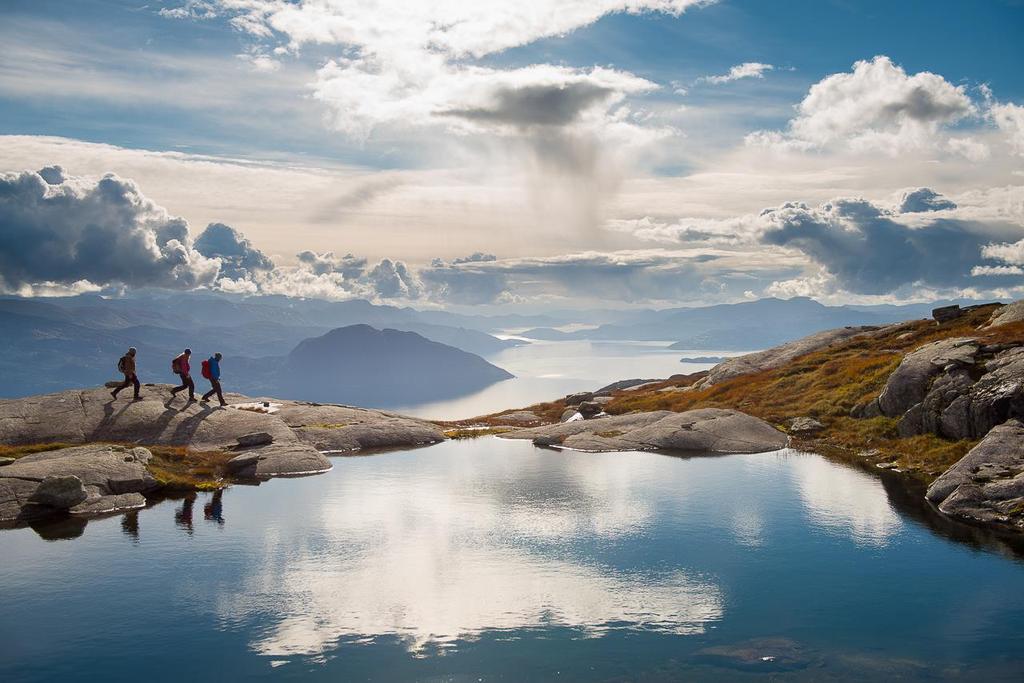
x=435, y=559
x=845, y=501
x=183, y=516
x=213, y=511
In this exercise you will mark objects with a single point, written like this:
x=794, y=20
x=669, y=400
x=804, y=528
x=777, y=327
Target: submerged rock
x=705, y=430
x=104, y=505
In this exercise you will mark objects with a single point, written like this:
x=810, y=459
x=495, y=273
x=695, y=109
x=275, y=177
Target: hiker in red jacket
x=126, y=366
x=181, y=368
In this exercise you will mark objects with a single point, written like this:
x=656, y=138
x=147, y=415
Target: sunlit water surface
x=488, y=560
x=547, y=370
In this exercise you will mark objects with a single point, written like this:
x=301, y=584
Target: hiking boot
x=136, y=398
x=204, y=400
x=223, y=404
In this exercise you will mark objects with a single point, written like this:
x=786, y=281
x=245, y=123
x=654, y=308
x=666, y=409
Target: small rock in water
x=6, y=461
x=545, y=441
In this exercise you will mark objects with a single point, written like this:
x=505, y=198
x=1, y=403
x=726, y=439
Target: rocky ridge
x=271, y=438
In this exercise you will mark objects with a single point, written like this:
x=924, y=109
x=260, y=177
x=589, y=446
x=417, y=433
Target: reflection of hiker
x=183, y=517
x=214, y=510
x=126, y=366
x=211, y=371
x=181, y=368
x=130, y=524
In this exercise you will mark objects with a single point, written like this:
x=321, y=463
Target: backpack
x=176, y=365
x=120, y=364
x=206, y=369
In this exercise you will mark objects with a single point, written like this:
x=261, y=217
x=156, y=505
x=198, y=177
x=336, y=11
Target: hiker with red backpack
x=211, y=371
x=181, y=368
x=126, y=366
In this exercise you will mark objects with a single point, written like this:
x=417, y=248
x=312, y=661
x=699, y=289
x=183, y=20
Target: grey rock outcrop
x=38, y=484
x=955, y=388
x=909, y=382
x=987, y=484
x=90, y=415
x=778, y=355
x=286, y=441
x=1011, y=313
x=705, y=430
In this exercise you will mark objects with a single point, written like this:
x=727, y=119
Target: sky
x=477, y=154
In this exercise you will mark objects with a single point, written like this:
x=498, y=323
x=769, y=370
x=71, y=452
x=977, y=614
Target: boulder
x=546, y=441
x=278, y=461
x=805, y=425
x=909, y=382
x=705, y=430
x=946, y=313
x=6, y=461
x=344, y=429
x=568, y=414
x=60, y=491
x=589, y=409
x=959, y=395
x=777, y=356
x=987, y=484
x=255, y=439
x=104, y=505
x=578, y=398
x=1011, y=313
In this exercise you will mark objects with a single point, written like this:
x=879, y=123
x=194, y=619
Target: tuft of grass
x=330, y=425
x=178, y=467
x=472, y=433
x=28, y=449
x=610, y=434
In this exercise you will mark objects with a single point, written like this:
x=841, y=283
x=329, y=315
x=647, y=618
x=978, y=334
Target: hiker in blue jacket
x=211, y=371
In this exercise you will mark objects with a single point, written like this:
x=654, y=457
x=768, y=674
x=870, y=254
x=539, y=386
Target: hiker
x=181, y=368
x=211, y=371
x=126, y=366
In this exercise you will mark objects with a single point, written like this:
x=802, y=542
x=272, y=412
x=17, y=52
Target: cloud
x=744, y=70
x=238, y=257
x=64, y=231
x=1011, y=253
x=393, y=280
x=1009, y=118
x=350, y=267
x=877, y=106
x=923, y=199
x=869, y=250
